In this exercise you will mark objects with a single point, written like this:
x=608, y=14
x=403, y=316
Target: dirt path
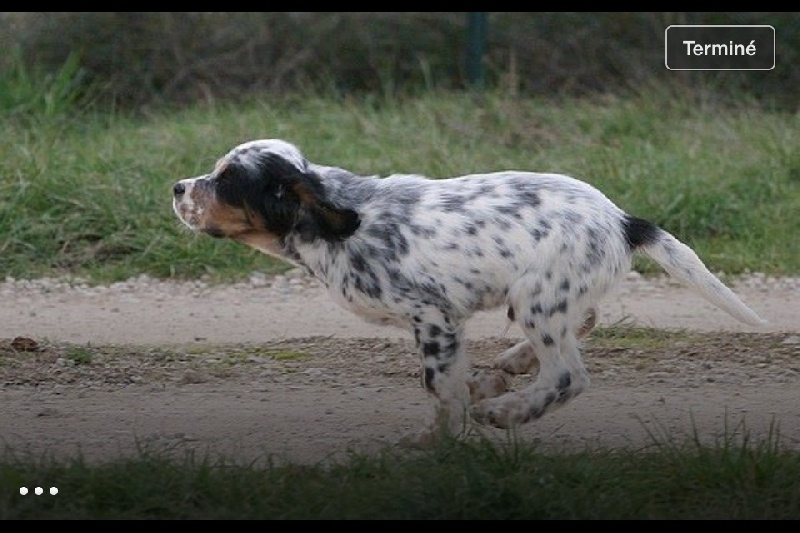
x=140, y=364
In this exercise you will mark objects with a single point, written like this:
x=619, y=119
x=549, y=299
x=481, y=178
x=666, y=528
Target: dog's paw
x=504, y=412
x=487, y=384
x=519, y=359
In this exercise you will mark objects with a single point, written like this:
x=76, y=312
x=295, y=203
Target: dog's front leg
x=440, y=343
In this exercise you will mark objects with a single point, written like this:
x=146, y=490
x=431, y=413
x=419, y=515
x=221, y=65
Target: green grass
x=88, y=194
x=457, y=479
x=79, y=355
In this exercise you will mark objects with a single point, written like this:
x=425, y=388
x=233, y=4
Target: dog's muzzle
x=181, y=202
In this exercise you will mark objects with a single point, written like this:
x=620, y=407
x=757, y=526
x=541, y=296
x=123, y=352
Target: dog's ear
x=318, y=216
x=296, y=200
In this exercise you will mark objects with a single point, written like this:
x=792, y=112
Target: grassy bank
x=89, y=195
x=455, y=480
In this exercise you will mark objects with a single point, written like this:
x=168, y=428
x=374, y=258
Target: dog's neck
x=318, y=257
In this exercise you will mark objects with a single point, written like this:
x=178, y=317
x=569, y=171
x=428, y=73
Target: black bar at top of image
x=719, y=47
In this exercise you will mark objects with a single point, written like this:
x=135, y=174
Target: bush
x=141, y=59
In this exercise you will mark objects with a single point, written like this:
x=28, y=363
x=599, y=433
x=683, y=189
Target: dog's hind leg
x=562, y=376
x=521, y=358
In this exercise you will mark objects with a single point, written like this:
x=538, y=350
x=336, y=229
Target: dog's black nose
x=178, y=189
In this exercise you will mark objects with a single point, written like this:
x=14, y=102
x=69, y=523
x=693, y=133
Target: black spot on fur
x=537, y=412
x=431, y=348
x=428, y=380
x=510, y=313
x=572, y=218
x=638, y=232
x=358, y=262
x=564, y=381
x=502, y=223
x=539, y=234
x=595, y=252
x=423, y=231
x=560, y=307
x=368, y=285
x=547, y=340
x=452, y=202
x=394, y=243
x=537, y=289
x=450, y=343
x=529, y=198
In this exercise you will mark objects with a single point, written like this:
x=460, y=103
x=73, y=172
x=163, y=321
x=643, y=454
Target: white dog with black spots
x=426, y=254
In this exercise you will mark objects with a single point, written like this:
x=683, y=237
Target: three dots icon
x=38, y=491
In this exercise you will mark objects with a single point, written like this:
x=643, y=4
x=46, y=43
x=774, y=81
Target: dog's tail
x=682, y=263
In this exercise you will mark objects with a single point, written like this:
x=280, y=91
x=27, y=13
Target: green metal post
x=477, y=29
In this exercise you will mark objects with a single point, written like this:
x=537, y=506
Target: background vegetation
x=143, y=59
x=101, y=112
x=90, y=195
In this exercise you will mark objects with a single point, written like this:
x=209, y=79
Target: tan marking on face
x=304, y=193
x=226, y=220
x=262, y=241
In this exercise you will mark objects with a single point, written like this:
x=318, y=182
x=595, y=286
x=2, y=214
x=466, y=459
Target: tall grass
x=87, y=193
x=32, y=93
x=458, y=479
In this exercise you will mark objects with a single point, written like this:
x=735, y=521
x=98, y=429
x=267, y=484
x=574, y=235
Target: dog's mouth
x=215, y=232
x=216, y=221
x=187, y=214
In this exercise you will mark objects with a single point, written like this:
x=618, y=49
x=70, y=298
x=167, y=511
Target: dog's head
x=258, y=194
